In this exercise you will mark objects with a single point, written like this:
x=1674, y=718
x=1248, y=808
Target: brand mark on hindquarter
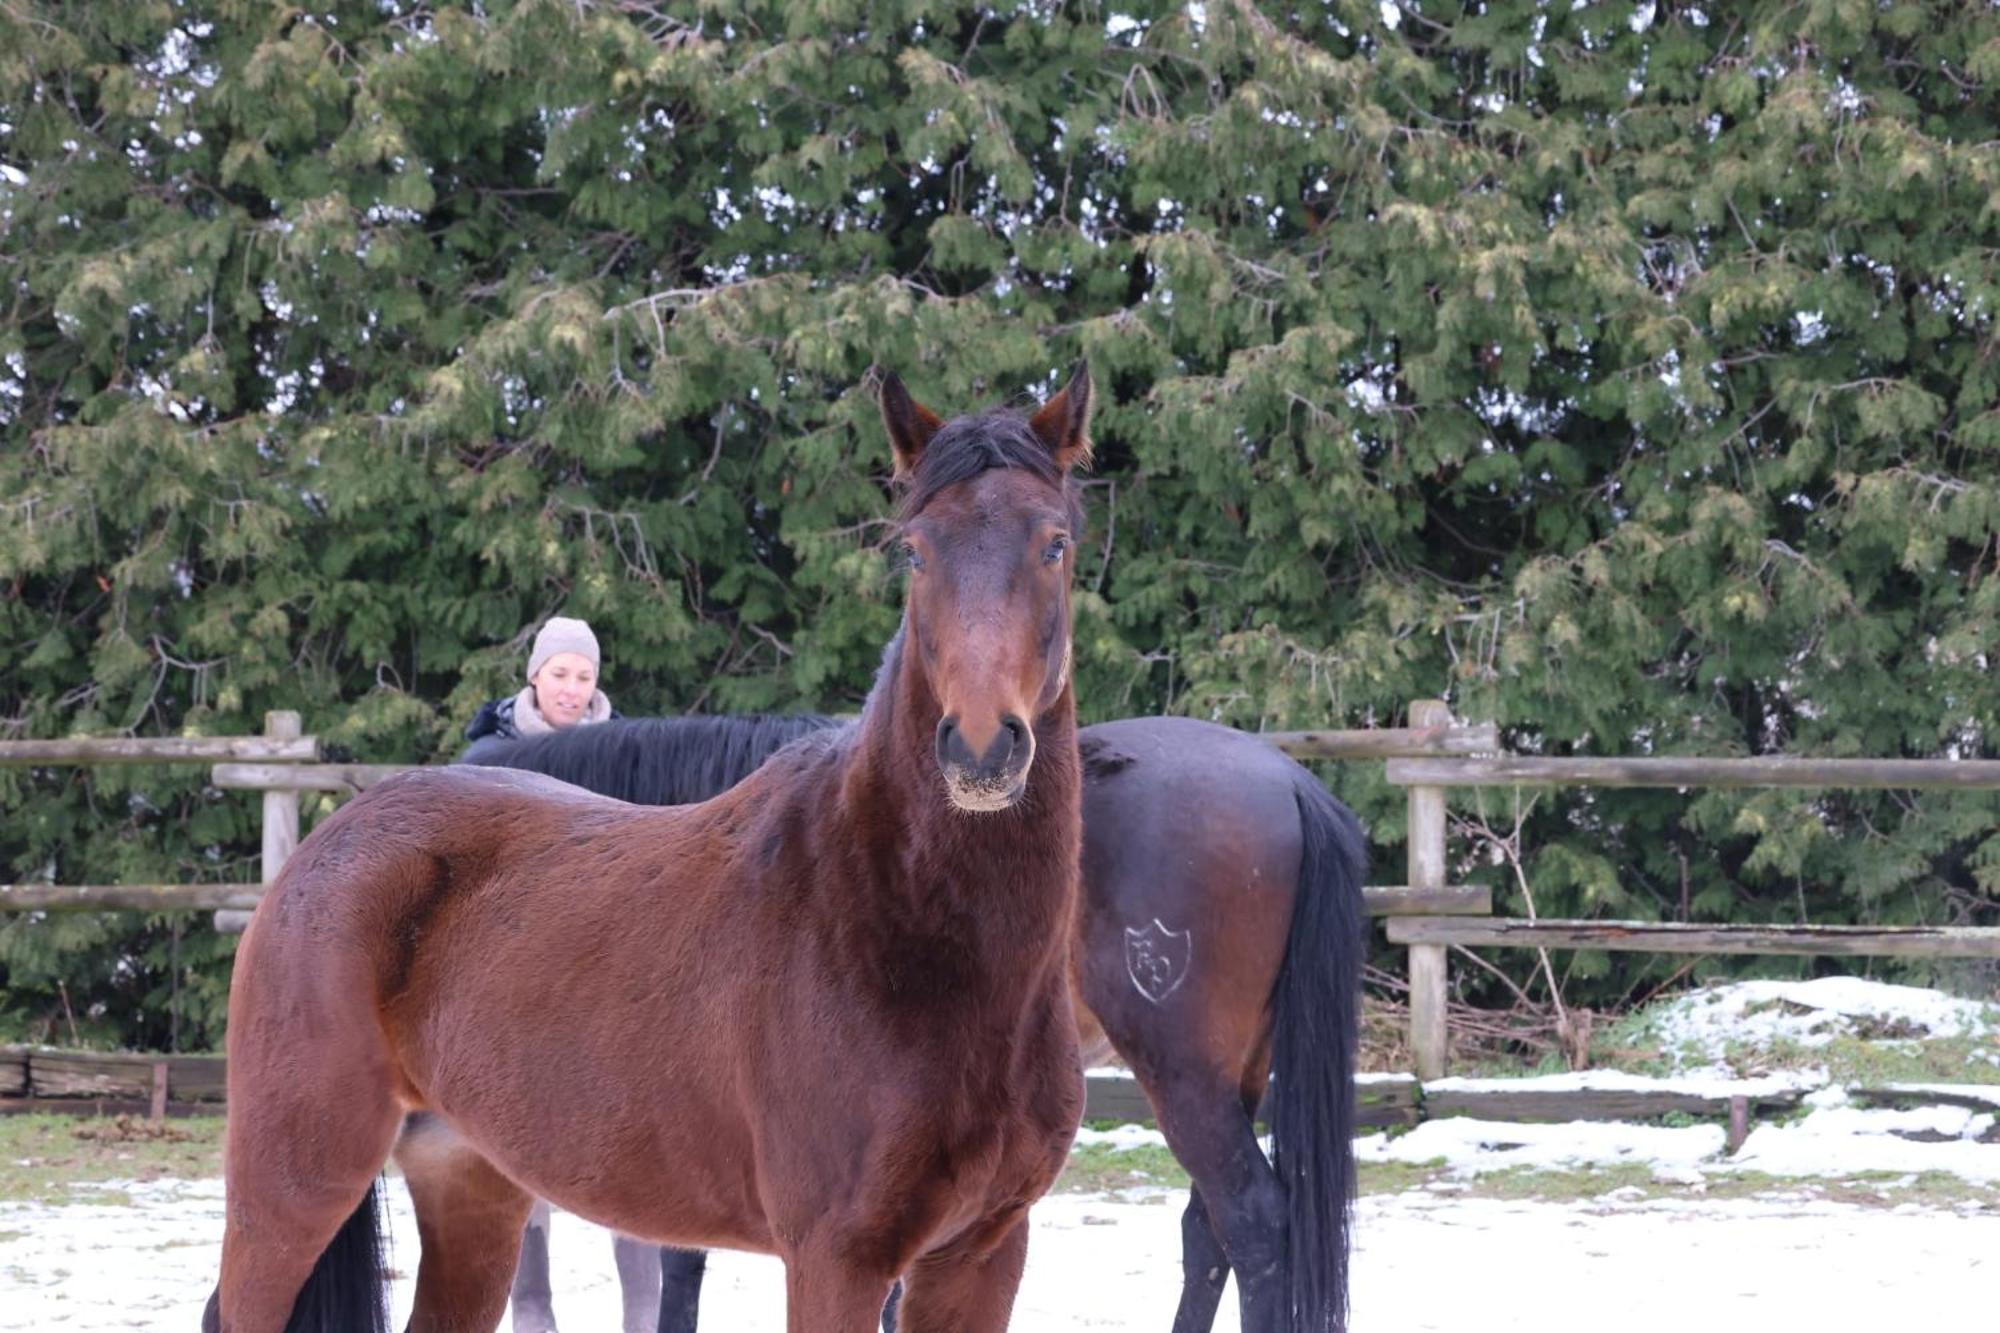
x=1158, y=959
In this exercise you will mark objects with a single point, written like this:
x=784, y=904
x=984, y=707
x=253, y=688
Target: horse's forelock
x=969, y=445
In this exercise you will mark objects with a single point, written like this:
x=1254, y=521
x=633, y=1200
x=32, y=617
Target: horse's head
x=989, y=526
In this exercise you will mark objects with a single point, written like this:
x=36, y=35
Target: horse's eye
x=908, y=551
x=1055, y=551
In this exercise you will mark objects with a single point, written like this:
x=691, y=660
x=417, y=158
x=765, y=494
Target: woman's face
x=563, y=688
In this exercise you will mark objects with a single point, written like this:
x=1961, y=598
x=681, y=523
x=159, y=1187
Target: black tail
x=346, y=1292
x=1316, y=1032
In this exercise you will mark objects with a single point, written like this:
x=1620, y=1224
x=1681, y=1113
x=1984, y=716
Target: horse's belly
x=667, y=1193
x=618, y=1118
x=669, y=1211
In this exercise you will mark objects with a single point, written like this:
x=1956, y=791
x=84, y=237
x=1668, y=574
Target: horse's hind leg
x=534, y=1304
x=680, y=1288
x=301, y=1158
x=639, y=1280
x=1208, y=1127
x=469, y=1223
x=1204, y=1269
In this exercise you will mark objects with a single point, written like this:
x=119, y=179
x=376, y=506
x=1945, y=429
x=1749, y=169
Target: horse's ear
x=1064, y=422
x=910, y=424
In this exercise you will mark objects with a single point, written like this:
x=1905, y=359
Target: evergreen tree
x=1625, y=373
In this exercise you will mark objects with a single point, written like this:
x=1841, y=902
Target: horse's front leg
x=827, y=1292
x=966, y=1289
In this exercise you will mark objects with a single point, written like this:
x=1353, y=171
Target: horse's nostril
x=951, y=750
x=1009, y=744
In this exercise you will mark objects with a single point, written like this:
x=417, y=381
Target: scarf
x=528, y=719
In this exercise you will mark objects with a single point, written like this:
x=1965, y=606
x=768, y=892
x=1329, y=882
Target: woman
x=562, y=687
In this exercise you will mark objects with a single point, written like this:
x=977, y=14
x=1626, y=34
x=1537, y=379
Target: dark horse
x=1220, y=938
x=825, y=1015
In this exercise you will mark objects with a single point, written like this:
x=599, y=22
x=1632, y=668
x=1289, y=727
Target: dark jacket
x=495, y=718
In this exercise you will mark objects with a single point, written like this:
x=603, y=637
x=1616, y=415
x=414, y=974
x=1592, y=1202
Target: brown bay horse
x=1221, y=936
x=824, y=1015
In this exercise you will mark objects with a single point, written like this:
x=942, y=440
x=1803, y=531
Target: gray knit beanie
x=563, y=635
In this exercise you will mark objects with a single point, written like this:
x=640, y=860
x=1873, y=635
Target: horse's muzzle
x=992, y=779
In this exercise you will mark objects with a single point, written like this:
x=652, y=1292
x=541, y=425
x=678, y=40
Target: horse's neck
x=1013, y=870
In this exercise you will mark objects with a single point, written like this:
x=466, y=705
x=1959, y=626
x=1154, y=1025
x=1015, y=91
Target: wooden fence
x=282, y=764
x=42, y=1079
x=1426, y=782
x=1428, y=758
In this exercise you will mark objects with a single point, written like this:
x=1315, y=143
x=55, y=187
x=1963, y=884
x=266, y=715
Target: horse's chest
x=1011, y=1130
x=985, y=1170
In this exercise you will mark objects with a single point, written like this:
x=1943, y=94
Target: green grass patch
x=1931, y=1189
x=1881, y=1051
x=1101, y=1169
x=1574, y=1185
x=1398, y=1177
x=45, y=1158
x=1846, y=1059
x=1933, y=1060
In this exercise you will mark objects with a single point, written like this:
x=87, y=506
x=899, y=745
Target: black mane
x=653, y=760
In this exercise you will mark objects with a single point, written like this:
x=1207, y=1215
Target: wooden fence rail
x=348, y=778
x=1442, y=737
x=157, y=750
x=1681, y=937
x=1530, y=771
x=1389, y=900
x=1428, y=758
x=129, y=897
x=1387, y=742
x=38, y=1078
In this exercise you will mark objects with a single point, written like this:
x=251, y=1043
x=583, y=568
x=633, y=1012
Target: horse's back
x=1167, y=796
x=453, y=820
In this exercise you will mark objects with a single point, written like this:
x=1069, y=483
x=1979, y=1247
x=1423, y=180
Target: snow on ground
x=1697, y=1030
x=1830, y=1143
x=1831, y=1140
x=1986, y=1094
x=1423, y=1261
x=1476, y=1146
x=1616, y=1080
x=1431, y=1258
x=1836, y=1139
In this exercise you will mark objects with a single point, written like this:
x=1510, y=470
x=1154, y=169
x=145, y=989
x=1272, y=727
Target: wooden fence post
x=281, y=822
x=1427, y=871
